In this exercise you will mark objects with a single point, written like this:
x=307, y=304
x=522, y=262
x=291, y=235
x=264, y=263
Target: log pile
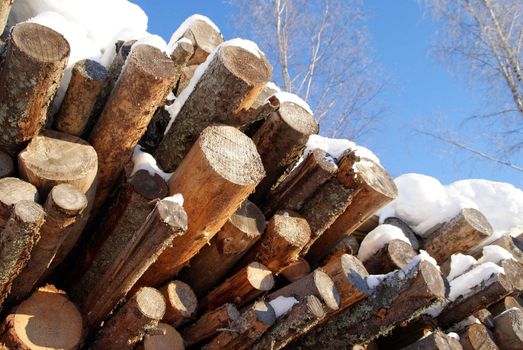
x=226, y=234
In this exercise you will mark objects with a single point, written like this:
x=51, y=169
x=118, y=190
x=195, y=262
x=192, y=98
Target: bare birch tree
x=320, y=51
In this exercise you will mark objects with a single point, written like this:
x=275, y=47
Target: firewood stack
x=213, y=238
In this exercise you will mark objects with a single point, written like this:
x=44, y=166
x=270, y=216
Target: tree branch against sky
x=320, y=51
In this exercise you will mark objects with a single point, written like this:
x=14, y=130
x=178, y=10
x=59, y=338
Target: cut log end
x=13, y=190
x=68, y=199
x=293, y=228
x=434, y=282
x=236, y=59
x=249, y=219
x=40, y=42
x=149, y=186
x=375, y=177
x=152, y=62
x=150, y=303
x=172, y=214
x=260, y=276
x=181, y=301
x=298, y=118
x=170, y=339
x=477, y=221
x=264, y=312
x=326, y=289
x=28, y=212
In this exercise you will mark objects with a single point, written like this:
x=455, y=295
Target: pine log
x=171, y=340
x=135, y=200
x=7, y=167
x=145, y=80
x=508, y=329
x=372, y=190
x=477, y=337
x=246, y=330
x=181, y=303
x=204, y=38
x=301, y=183
x=285, y=236
x=296, y=270
x=87, y=81
x=5, y=8
x=507, y=303
x=294, y=324
x=512, y=244
x=209, y=324
x=280, y=141
x=462, y=233
x=17, y=239
x=241, y=288
x=217, y=175
x=165, y=222
x=231, y=82
x=437, y=340
x=407, y=231
x=46, y=320
x=215, y=260
x=129, y=324
x=40, y=53
x=394, y=255
x=62, y=207
x=401, y=297
x=12, y=191
x=317, y=283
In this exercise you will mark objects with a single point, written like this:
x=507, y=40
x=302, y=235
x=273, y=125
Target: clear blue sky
x=420, y=88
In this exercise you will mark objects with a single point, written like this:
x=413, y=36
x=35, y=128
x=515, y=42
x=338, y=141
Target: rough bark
x=217, y=175
x=508, y=329
x=477, y=337
x=129, y=324
x=12, y=191
x=407, y=231
x=5, y=8
x=31, y=72
x=296, y=270
x=170, y=340
x=437, y=340
x=394, y=255
x=181, y=303
x=7, y=167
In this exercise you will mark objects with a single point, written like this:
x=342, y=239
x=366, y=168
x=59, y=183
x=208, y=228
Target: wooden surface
x=477, y=337
x=5, y=8
x=181, y=303
x=394, y=255
x=12, y=191
x=508, y=329
x=171, y=340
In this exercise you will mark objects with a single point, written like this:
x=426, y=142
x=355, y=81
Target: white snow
x=271, y=85
x=494, y=254
x=459, y=263
x=284, y=96
x=144, y=161
x=175, y=198
x=377, y=239
x=453, y=335
x=185, y=25
x=153, y=40
x=462, y=285
x=375, y=280
x=282, y=305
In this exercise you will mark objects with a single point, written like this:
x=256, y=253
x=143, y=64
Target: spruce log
x=462, y=233
x=204, y=37
x=17, y=239
x=280, y=141
x=164, y=223
x=294, y=324
x=231, y=82
x=407, y=231
x=171, y=340
x=7, y=167
x=401, y=297
x=144, y=82
x=296, y=270
x=246, y=330
x=5, y=8
x=373, y=189
x=317, y=283
x=46, y=320
x=217, y=175
x=285, y=236
x=31, y=72
x=215, y=260
x=508, y=329
x=62, y=207
x=301, y=183
x=477, y=337
x=209, y=324
x=12, y=191
x=181, y=303
x=87, y=81
x=437, y=340
x=394, y=255
x=507, y=303
x=241, y=288
x=129, y=324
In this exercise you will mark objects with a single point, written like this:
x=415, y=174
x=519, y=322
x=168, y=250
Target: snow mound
x=378, y=238
x=145, y=161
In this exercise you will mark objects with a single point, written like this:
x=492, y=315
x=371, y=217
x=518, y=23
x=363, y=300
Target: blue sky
x=420, y=87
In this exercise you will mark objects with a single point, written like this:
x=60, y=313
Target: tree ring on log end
x=29, y=212
x=172, y=214
x=376, y=178
x=152, y=62
x=477, y=220
x=13, y=190
x=181, y=296
x=40, y=42
x=245, y=65
x=68, y=198
x=260, y=276
x=433, y=279
x=296, y=117
x=151, y=303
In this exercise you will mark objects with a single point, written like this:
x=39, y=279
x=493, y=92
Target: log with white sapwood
x=181, y=303
x=5, y=8
x=12, y=191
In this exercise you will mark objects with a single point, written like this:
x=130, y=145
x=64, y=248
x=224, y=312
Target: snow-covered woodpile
x=168, y=196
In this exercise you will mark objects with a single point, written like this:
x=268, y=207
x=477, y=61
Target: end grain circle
x=40, y=42
x=152, y=61
x=298, y=118
x=68, y=197
x=245, y=65
x=150, y=302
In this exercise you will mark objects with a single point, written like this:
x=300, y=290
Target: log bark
x=214, y=261
x=46, y=320
x=394, y=255
x=17, y=239
x=12, y=191
x=280, y=142
x=508, y=329
x=170, y=340
x=62, y=207
x=222, y=169
x=317, y=283
x=144, y=82
x=459, y=235
x=507, y=303
x=129, y=324
x=301, y=183
x=7, y=167
x=477, y=337
x=5, y=8
x=401, y=297
x=165, y=222
x=209, y=324
x=40, y=53
x=296, y=270
x=437, y=340
x=372, y=190
x=294, y=324
x=204, y=37
x=284, y=238
x=231, y=82
x=407, y=231
x=181, y=303
x=246, y=330
x=87, y=81
x=241, y=288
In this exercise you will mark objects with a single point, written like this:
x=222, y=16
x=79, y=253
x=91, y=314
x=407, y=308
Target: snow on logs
x=222, y=165
x=225, y=85
x=146, y=79
x=34, y=65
